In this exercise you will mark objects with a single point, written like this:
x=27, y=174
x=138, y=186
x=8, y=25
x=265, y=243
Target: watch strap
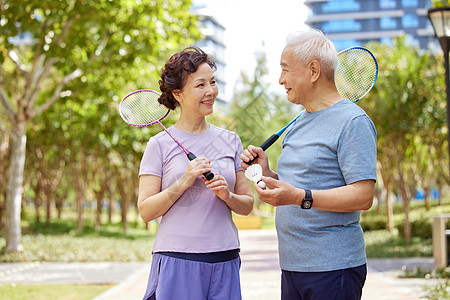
x=308, y=194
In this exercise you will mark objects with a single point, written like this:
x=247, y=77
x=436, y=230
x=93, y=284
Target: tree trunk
x=385, y=184
x=125, y=203
x=2, y=209
x=110, y=194
x=426, y=198
x=389, y=211
x=407, y=222
x=406, y=200
x=78, y=187
x=14, y=189
x=126, y=187
x=48, y=206
x=378, y=193
x=58, y=205
x=98, y=216
x=440, y=192
x=59, y=202
x=110, y=208
x=37, y=197
x=4, y=155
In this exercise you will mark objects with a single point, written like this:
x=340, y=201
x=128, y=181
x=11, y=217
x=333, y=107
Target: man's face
x=294, y=76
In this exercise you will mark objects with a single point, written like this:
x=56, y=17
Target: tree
x=50, y=50
x=406, y=105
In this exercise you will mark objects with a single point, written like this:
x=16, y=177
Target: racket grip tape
x=208, y=175
x=267, y=143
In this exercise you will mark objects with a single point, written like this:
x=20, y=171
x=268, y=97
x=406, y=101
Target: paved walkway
x=260, y=274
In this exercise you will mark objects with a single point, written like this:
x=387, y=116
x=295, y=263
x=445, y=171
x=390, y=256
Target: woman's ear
x=177, y=95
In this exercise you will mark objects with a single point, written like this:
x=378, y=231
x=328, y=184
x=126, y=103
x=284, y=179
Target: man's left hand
x=279, y=193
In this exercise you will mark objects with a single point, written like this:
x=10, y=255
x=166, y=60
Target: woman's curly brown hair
x=176, y=71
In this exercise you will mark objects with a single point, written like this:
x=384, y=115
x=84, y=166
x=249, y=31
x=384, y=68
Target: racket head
x=141, y=108
x=356, y=73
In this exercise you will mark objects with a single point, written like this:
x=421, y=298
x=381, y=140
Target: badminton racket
x=141, y=108
x=355, y=75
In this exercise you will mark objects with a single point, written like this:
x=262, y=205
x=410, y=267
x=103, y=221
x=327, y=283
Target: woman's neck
x=192, y=125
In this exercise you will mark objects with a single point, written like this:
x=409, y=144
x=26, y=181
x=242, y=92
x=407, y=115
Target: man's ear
x=314, y=67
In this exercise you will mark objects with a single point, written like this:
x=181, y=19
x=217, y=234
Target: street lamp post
x=440, y=18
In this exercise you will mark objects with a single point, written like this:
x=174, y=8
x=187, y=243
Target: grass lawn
x=384, y=244
x=50, y=291
x=61, y=242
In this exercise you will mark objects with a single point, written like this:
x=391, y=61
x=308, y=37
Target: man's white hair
x=312, y=44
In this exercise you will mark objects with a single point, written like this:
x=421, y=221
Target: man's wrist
x=299, y=197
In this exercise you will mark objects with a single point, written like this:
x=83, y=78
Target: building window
x=341, y=25
x=410, y=40
x=388, y=4
x=388, y=23
x=344, y=44
x=410, y=21
x=344, y=5
x=410, y=3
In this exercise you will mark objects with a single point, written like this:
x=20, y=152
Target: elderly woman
x=196, y=249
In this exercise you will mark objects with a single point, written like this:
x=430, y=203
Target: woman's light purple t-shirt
x=199, y=222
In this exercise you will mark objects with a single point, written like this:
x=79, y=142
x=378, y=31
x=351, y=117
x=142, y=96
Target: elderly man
x=326, y=176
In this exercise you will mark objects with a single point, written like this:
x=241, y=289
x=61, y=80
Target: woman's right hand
x=195, y=168
x=153, y=202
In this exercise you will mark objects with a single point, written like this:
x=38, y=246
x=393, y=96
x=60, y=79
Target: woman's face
x=199, y=92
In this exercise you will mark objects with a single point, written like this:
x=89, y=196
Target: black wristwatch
x=308, y=200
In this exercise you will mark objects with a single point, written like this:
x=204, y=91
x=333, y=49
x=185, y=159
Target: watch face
x=306, y=204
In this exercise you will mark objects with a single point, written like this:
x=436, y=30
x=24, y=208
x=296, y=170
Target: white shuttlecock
x=254, y=173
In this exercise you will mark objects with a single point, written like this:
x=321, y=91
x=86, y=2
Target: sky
x=249, y=25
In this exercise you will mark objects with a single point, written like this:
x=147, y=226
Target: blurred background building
x=355, y=22
x=346, y=22
x=212, y=43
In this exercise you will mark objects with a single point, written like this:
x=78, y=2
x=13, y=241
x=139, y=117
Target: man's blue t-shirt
x=323, y=150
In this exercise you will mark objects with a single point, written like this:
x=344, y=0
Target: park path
x=260, y=274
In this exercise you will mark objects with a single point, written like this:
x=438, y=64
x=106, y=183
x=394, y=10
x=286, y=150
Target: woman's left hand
x=219, y=186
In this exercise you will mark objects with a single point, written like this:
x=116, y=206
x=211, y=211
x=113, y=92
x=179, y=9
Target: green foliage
x=407, y=106
x=421, y=219
x=375, y=222
x=86, y=56
x=439, y=3
x=51, y=291
x=421, y=226
x=438, y=291
x=383, y=244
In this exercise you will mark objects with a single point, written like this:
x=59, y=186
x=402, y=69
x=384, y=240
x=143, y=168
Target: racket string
x=142, y=108
x=356, y=73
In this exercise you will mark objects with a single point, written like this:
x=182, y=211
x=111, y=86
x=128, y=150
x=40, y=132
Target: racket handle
x=267, y=143
x=208, y=175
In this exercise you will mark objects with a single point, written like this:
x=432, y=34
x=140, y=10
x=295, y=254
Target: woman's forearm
x=152, y=206
x=240, y=204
